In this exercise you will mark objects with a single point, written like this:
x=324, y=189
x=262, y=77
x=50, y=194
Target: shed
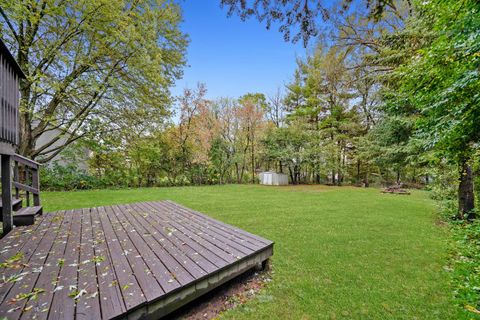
x=273, y=178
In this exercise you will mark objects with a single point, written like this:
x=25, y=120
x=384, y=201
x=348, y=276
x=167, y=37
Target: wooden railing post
x=7, y=215
x=27, y=182
x=16, y=178
x=27, y=178
x=36, y=185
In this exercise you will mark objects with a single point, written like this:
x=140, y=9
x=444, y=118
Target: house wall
x=81, y=156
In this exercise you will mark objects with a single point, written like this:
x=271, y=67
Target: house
x=26, y=175
x=81, y=154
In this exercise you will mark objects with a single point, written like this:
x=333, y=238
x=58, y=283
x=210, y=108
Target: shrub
x=465, y=268
x=68, y=177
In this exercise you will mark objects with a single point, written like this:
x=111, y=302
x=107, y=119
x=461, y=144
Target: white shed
x=273, y=179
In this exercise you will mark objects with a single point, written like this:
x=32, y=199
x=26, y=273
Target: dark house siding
x=10, y=75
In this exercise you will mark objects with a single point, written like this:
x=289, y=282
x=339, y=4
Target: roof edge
x=4, y=51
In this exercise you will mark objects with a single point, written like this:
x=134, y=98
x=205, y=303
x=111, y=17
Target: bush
x=465, y=268
x=64, y=178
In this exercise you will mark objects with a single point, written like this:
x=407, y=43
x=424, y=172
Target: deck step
x=16, y=204
x=26, y=216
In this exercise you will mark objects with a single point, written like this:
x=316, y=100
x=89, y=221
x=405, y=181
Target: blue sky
x=233, y=57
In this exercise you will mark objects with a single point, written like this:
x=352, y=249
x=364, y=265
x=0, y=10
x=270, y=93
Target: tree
x=298, y=18
x=438, y=85
x=276, y=108
x=323, y=84
x=193, y=109
x=251, y=113
x=288, y=146
x=88, y=60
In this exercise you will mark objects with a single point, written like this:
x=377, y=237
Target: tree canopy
x=90, y=64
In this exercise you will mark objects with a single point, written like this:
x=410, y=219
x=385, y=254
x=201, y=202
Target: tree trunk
x=237, y=171
x=466, y=196
x=367, y=182
x=297, y=174
x=291, y=175
x=358, y=172
x=253, y=160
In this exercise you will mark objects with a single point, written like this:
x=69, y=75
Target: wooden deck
x=141, y=260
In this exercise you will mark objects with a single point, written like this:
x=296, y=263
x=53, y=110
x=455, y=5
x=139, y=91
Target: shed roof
x=11, y=60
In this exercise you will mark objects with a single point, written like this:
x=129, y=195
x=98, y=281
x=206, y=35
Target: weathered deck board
x=177, y=272
x=241, y=241
x=15, y=268
x=88, y=305
x=111, y=300
x=28, y=273
x=63, y=305
x=141, y=260
x=202, y=228
x=219, y=259
x=155, y=265
x=186, y=250
x=128, y=283
x=148, y=283
x=48, y=276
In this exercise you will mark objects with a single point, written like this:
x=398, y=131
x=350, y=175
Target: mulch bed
x=228, y=296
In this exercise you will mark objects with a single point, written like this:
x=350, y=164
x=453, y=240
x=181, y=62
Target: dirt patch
x=302, y=188
x=312, y=188
x=228, y=296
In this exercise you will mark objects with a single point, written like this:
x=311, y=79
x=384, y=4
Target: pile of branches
x=397, y=189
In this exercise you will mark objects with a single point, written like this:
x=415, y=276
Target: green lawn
x=340, y=253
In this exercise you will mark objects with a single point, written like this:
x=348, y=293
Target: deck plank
x=176, y=269
x=213, y=229
x=147, y=282
x=226, y=227
x=121, y=261
x=16, y=297
x=212, y=253
x=17, y=238
x=63, y=302
x=126, y=280
x=206, y=229
x=111, y=300
x=154, y=263
x=172, y=235
x=88, y=305
x=26, y=252
x=48, y=276
x=244, y=238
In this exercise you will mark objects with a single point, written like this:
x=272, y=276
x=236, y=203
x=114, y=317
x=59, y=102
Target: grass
x=340, y=253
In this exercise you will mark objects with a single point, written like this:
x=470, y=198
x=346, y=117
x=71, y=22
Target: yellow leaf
x=472, y=309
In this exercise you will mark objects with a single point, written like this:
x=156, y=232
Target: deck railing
x=26, y=177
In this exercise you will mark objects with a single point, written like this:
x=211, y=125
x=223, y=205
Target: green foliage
x=91, y=64
x=442, y=79
x=69, y=177
x=465, y=270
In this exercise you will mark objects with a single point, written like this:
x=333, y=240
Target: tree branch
x=10, y=25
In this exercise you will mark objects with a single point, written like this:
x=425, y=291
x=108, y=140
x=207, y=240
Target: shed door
x=269, y=178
